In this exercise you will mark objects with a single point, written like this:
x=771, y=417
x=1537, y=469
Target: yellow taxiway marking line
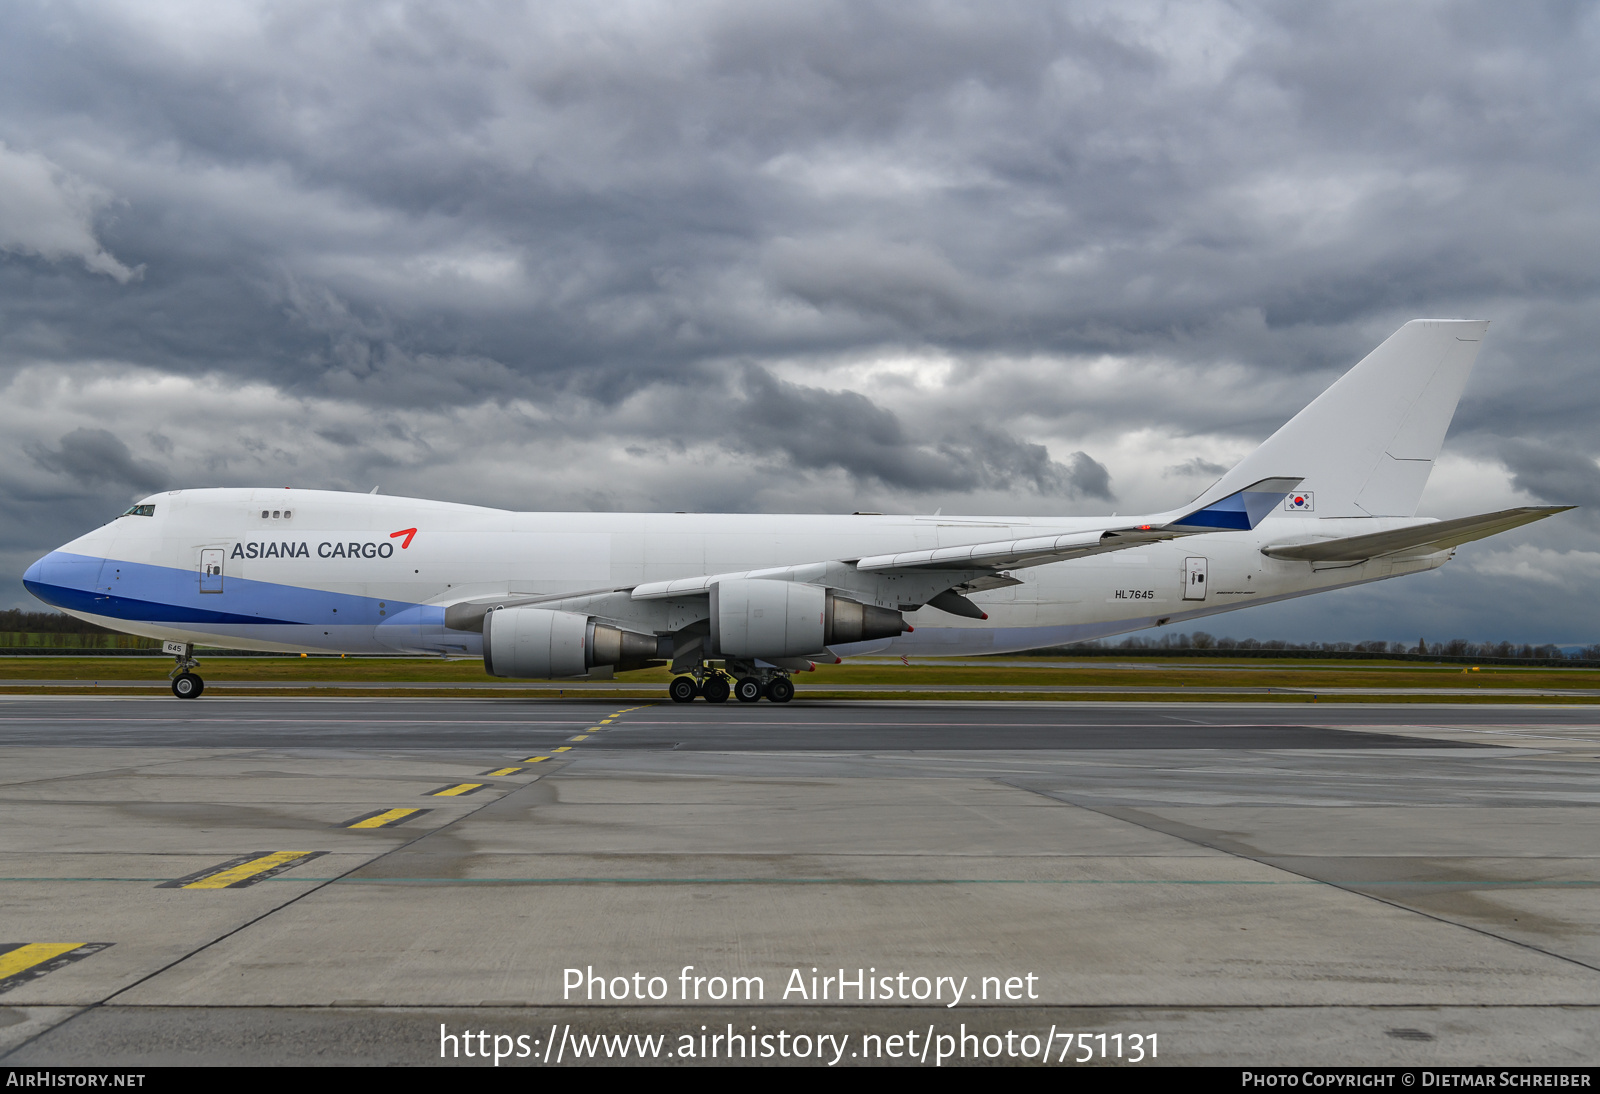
x=31, y=954
x=563, y=748
x=536, y=759
x=246, y=870
x=453, y=791
x=387, y=817
x=505, y=771
x=579, y=737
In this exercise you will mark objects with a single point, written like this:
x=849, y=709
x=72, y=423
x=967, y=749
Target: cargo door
x=211, y=570
x=1194, y=579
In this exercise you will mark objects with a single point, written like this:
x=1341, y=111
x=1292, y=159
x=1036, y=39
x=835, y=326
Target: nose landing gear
x=185, y=683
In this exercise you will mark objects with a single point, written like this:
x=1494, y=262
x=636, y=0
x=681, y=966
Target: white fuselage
x=359, y=573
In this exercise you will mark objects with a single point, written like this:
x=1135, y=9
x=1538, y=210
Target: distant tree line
x=1456, y=647
x=17, y=620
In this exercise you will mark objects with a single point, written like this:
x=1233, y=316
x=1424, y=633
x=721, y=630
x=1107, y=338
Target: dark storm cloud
x=585, y=198
x=397, y=217
x=1555, y=475
x=820, y=429
x=97, y=457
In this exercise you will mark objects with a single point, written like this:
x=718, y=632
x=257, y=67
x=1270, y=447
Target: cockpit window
x=141, y=511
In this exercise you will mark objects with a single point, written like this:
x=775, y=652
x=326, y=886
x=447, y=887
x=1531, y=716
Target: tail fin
x=1365, y=446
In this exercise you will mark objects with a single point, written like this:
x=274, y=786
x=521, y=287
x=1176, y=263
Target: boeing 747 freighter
x=736, y=603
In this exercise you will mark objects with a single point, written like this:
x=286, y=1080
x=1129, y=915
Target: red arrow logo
x=409, y=533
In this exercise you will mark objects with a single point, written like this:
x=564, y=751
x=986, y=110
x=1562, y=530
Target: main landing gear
x=750, y=685
x=185, y=683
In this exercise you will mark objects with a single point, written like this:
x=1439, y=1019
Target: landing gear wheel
x=683, y=689
x=715, y=689
x=747, y=690
x=780, y=690
x=186, y=685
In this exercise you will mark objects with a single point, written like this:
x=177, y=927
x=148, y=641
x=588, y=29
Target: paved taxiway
x=1257, y=884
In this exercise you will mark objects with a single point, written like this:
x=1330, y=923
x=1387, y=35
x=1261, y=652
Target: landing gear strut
x=749, y=685
x=185, y=683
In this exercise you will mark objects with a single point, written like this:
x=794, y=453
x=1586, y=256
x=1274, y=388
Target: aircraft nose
x=33, y=579
x=58, y=575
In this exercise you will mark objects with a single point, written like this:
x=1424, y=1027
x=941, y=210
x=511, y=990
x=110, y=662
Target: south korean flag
x=1300, y=502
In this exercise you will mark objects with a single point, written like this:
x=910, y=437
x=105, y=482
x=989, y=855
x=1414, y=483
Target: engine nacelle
x=757, y=617
x=537, y=643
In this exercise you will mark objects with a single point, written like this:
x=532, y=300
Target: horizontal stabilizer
x=1436, y=536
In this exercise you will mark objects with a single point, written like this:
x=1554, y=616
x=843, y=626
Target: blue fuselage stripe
x=1219, y=520
x=143, y=611
x=161, y=594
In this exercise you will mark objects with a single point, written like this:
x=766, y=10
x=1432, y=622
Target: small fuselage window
x=141, y=511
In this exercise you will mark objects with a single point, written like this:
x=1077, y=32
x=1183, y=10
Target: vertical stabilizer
x=1366, y=445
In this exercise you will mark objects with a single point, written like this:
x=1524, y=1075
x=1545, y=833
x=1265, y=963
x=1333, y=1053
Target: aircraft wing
x=1242, y=509
x=1437, y=536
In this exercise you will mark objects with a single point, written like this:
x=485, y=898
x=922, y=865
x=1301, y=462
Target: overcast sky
x=990, y=257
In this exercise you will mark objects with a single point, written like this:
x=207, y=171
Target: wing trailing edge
x=1239, y=511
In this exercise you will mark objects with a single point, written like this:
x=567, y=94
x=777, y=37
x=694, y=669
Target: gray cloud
x=1196, y=466
x=47, y=212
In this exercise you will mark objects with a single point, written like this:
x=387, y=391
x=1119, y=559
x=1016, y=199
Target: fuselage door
x=1194, y=579
x=211, y=570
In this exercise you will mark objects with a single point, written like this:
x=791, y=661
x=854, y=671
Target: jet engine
x=526, y=643
x=756, y=617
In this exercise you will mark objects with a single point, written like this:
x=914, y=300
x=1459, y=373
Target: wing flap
x=1438, y=535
